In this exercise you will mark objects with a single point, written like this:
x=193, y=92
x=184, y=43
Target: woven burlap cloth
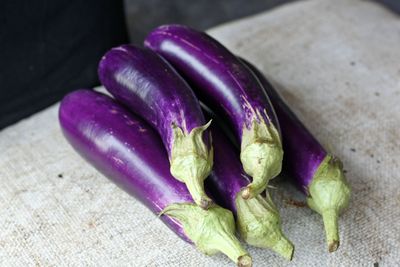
x=337, y=63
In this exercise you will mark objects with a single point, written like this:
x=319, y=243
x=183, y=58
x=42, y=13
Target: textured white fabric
x=337, y=63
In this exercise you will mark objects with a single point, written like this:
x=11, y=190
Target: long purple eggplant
x=225, y=85
x=131, y=154
x=151, y=88
x=258, y=219
x=317, y=173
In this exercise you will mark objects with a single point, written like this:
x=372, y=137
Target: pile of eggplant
x=159, y=143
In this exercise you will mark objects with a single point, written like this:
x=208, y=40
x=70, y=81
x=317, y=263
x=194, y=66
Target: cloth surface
x=335, y=62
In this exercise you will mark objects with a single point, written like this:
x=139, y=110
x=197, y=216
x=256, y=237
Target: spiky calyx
x=192, y=161
x=261, y=155
x=211, y=230
x=259, y=225
x=329, y=194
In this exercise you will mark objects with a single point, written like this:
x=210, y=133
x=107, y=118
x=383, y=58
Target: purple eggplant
x=225, y=85
x=316, y=172
x=258, y=219
x=131, y=154
x=151, y=88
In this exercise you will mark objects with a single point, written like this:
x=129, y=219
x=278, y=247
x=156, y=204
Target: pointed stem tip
x=284, y=248
x=330, y=218
x=196, y=190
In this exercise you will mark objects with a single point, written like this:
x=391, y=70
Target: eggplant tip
x=246, y=193
x=290, y=258
x=284, y=248
x=205, y=203
x=333, y=246
x=245, y=261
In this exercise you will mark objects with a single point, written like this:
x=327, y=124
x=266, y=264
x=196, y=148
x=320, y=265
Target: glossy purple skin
x=303, y=152
x=123, y=148
x=220, y=79
x=227, y=177
x=151, y=88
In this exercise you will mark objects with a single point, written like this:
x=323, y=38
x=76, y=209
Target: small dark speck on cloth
x=92, y=224
x=296, y=203
x=60, y=175
x=353, y=149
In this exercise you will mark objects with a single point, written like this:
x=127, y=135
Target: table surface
x=337, y=66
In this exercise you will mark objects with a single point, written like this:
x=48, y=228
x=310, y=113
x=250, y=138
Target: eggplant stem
x=211, y=230
x=329, y=194
x=259, y=225
x=191, y=161
x=261, y=155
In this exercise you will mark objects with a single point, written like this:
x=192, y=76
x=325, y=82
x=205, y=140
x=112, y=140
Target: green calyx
x=211, y=230
x=329, y=194
x=192, y=161
x=259, y=225
x=261, y=155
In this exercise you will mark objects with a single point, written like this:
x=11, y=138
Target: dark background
x=144, y=15
x=48, y=48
